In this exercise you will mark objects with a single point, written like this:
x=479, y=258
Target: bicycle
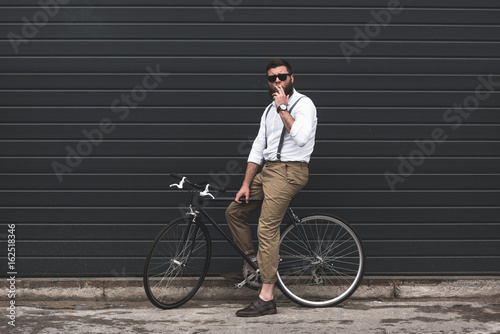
x=321, y=257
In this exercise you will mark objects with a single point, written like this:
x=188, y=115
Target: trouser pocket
x=296, y=174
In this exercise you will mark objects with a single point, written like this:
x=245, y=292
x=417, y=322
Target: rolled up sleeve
x=304, y=115
x=259, y=144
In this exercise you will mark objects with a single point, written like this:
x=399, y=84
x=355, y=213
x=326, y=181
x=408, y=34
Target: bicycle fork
x=185, y=237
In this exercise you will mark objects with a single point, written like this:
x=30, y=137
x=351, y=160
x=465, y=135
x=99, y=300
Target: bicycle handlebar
x=205, y=187
x=202, y=186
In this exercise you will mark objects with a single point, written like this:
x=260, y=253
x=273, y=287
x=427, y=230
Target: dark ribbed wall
x=99, y=218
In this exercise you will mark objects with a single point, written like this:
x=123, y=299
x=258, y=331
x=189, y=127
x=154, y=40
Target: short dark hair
x=272, y=63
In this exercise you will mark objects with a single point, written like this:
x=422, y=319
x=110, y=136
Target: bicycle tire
x=328, y=279
x=175, y=269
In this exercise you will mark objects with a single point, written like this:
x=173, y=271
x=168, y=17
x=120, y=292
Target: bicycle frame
x=294, y=219
x=200, y=209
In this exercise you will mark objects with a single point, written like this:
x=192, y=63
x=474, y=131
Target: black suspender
x=265, y=121
x=283, y=132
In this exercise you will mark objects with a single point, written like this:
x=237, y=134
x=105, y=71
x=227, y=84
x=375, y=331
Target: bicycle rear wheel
x=321, y=261
x=177, y=263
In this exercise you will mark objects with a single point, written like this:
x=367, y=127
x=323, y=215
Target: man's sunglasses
x=282, y=77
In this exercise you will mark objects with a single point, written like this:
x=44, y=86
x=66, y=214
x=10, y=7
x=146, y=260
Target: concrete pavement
x=380, y=305
x=353, y=316
x=216, y=288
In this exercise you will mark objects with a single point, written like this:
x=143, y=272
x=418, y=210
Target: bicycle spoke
x=326, y=277
x=179, y=259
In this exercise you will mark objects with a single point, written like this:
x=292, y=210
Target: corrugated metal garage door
x=100, y=100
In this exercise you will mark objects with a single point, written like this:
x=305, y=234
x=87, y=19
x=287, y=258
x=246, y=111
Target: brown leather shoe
x=258, y=308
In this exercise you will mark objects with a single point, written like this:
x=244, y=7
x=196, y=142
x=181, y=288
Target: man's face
x=287, y=83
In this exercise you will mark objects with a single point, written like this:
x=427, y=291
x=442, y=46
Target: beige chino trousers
x=277, y=184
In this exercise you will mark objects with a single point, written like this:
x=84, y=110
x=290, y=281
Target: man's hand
x=244, y=192
x=279, y=96
x=252, y=169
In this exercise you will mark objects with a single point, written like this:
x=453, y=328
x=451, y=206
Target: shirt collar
x=295, y=95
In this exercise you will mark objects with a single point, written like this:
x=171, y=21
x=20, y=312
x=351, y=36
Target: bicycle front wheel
x=177, y=263
x=321, y=261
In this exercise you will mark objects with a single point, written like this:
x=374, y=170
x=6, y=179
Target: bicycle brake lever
x=206, y=193
x=179, y=185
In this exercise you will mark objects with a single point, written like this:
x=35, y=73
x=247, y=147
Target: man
x=284, y=145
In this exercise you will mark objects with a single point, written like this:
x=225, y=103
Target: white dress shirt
x=298, y=144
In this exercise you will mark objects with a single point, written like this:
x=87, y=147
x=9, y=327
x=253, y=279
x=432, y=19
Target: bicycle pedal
x=316, y=279
x=240, y=285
